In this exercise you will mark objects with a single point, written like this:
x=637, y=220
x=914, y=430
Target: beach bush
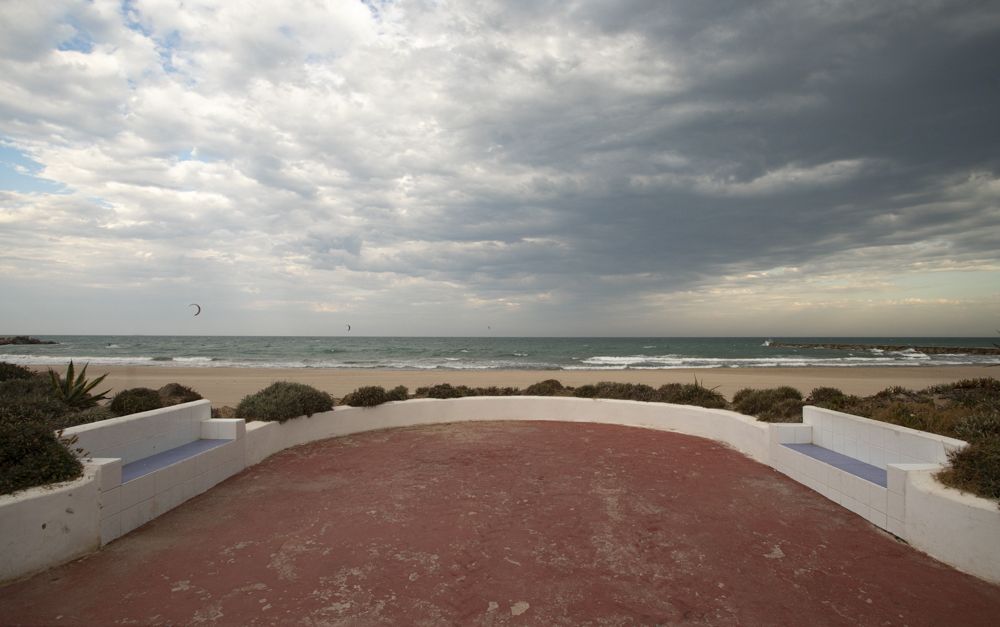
x=691, y=394
x=497, y=391
x=969, y=392
x=175, y=394
x=548, y=387
x=9, y=372
x=282, y=401
x=924, y=416
x=75, y=389
x=975, y=469
x=135, y=400
x=978, y=427
x=446, y=390
x=366, y=396
x=81, y=417
x=399, y=393
x=588, y=390
x=781, y=404
x=627, y=391
x=832, y=398
x=31, y=454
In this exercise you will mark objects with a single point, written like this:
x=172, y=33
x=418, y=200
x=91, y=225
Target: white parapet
x=48, y=525
x=743, y=433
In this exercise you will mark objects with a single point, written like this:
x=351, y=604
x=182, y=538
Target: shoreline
x=227, y=385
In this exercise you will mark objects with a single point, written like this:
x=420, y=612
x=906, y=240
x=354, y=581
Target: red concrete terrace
x=506, y=523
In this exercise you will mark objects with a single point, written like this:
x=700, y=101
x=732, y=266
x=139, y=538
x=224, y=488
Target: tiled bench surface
x=147, y=465
x=856, y=467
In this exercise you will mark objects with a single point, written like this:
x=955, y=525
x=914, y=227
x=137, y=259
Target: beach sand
x=226, y=386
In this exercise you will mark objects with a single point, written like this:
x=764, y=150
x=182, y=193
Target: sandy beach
x=226, y=386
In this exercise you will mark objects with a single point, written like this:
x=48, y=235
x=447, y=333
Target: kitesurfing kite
x=348, y=328
x=196, y=305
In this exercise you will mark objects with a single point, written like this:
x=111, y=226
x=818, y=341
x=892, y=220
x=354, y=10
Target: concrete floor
x=506, y=523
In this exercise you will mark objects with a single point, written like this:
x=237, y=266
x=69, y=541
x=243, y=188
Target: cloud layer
x=433, y=167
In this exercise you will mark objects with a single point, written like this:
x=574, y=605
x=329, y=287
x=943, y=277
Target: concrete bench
x=856, y=462
x=151, y=462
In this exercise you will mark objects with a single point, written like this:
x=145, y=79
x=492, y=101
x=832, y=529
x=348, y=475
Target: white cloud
x=471, y=156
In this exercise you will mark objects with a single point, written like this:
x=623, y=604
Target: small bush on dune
x=135, y=400
x=366, y=396
x=81, y=417
x=446, y=390
x=975, y=469
x=175, y=394
x=284, y=400
x=832, y=398
x=32, y=455
x=781, y=404
x=10, y=372
x=626, y=391
x=399, y=393
x=586, y=391
x=973, y=393
x=923, y=416
x=549, y=387
x=497, y=391
x=978, y=427
x=691, y=394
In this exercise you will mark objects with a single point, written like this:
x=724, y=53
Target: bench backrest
x=140, y=435
x=875, y=442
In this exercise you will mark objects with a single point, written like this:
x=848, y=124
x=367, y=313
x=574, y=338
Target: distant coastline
x=23, y=340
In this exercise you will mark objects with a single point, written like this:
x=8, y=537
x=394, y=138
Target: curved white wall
x=743, y=433
x=958, y=529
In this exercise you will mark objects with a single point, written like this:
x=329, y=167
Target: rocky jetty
x=927, y=350
x=23, y=339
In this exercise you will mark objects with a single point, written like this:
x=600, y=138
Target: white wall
x=743, y=433
x=46, y=526
x=141, y=435
x=961, y=530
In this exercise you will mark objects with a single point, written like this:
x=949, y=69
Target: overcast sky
x=637, y=167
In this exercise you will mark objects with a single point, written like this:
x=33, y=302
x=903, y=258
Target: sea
x=486, y=353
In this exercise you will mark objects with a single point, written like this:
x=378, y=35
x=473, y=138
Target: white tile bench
x=151, y=462
x=856, y=462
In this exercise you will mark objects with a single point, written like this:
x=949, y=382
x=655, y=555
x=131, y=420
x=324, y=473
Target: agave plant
x=75, y=390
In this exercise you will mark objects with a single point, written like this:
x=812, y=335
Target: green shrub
x=366, y=396
x=399, y=393
x=975, y=469
x=81, y=417
x=548, y=387
x=10, y=372
x=924, y=416
x=978, y=427
x=587, y=390
x=497, y=391
x=691, y=394
x=751, y=401
x=74, y=390
x=32, y=455
x=974, y=393
x=175, y=394
x=626, y=391
x=135, y=400
x=446, y=390
x=781, y=404
x=284, y=400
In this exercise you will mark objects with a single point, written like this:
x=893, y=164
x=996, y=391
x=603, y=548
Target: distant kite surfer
x=196, y=305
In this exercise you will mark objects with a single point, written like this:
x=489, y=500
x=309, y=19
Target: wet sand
x=226, y=386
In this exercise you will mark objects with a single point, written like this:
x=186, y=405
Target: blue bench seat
x=856, y=467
